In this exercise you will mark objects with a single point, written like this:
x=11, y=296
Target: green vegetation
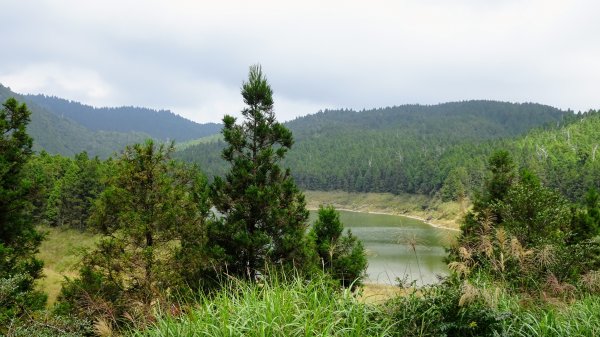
x=161, y=125
x=19, y=240
x=58, y=135
x=343, y=256
x=286, y=307
x=160, y=262
x=404, y=149
x=151, y=218
x=264, y=215
x=65, y=127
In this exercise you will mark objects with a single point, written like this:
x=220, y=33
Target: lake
x=389, y=241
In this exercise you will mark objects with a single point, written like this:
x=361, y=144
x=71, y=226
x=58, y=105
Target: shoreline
x=415, y=217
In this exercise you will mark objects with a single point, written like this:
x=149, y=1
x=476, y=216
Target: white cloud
x=52, y=79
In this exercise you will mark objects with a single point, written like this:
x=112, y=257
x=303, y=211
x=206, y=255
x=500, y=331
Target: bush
x=448, y=309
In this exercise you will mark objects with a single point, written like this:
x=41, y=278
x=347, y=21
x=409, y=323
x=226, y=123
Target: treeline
x=65, y=127
x=396, y=149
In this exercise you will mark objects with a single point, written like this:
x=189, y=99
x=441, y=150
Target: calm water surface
x=390, y=239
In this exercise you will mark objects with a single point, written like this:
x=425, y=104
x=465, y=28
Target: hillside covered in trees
x=64, y=127
x=159, y=124
x=409, y=148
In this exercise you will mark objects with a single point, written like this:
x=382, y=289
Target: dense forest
x=408, y=148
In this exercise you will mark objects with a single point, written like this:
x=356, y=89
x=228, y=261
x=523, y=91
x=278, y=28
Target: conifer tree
x=152, y=217
x=264, y=213
x=19, y=241
x=342, y=256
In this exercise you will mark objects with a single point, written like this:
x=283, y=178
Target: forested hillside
x=159, y=124
x=565, y=158
x=60, y=135
x=407, y=148
x=64, y=127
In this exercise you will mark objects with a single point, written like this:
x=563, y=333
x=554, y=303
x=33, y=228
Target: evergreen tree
x=70, y=201
x=454, y=185
x=264, y=213
x=586, y=222
x=19, y=241
x=533, y=213
x=502, y=168
x=148, y=215
x=343, y=256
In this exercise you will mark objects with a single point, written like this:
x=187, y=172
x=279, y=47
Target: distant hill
x=61, y=135
x=395, y=149
x=159, y=124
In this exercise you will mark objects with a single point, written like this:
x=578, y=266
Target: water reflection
x=399, y=247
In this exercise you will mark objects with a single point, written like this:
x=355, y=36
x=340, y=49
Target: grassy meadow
x=60, y=252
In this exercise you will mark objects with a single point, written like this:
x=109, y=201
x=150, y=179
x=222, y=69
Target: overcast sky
x=192, y=56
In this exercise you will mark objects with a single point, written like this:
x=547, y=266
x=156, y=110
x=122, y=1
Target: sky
x=192, y=57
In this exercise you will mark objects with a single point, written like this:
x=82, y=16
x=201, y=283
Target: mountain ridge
x=60, y=126
x=159, y=124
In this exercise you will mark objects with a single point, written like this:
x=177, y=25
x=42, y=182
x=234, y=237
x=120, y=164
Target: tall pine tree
x=264, y=214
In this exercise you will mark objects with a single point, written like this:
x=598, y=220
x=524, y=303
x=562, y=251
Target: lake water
x=389, y=241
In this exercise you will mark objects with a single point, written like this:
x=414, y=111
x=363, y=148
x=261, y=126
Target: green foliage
x=19, y=241
x=535, y=214
x=150, y=215
x=263, y=212
x=399, y=149
x=342, y=256
x=48, y=324
x=71, y=199
x=586, y=221
x=44, y=172
x=455, y=185
x=581, y=318
x=525, y=234
x=502, y=169
x=444, y=310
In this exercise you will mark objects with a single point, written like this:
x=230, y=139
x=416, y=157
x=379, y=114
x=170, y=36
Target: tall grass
x=581, y=318
x=292, y=308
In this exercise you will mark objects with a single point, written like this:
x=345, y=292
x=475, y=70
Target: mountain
x=396, y=149
x=61, y=135
x=159, y=124
x=60, y=126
